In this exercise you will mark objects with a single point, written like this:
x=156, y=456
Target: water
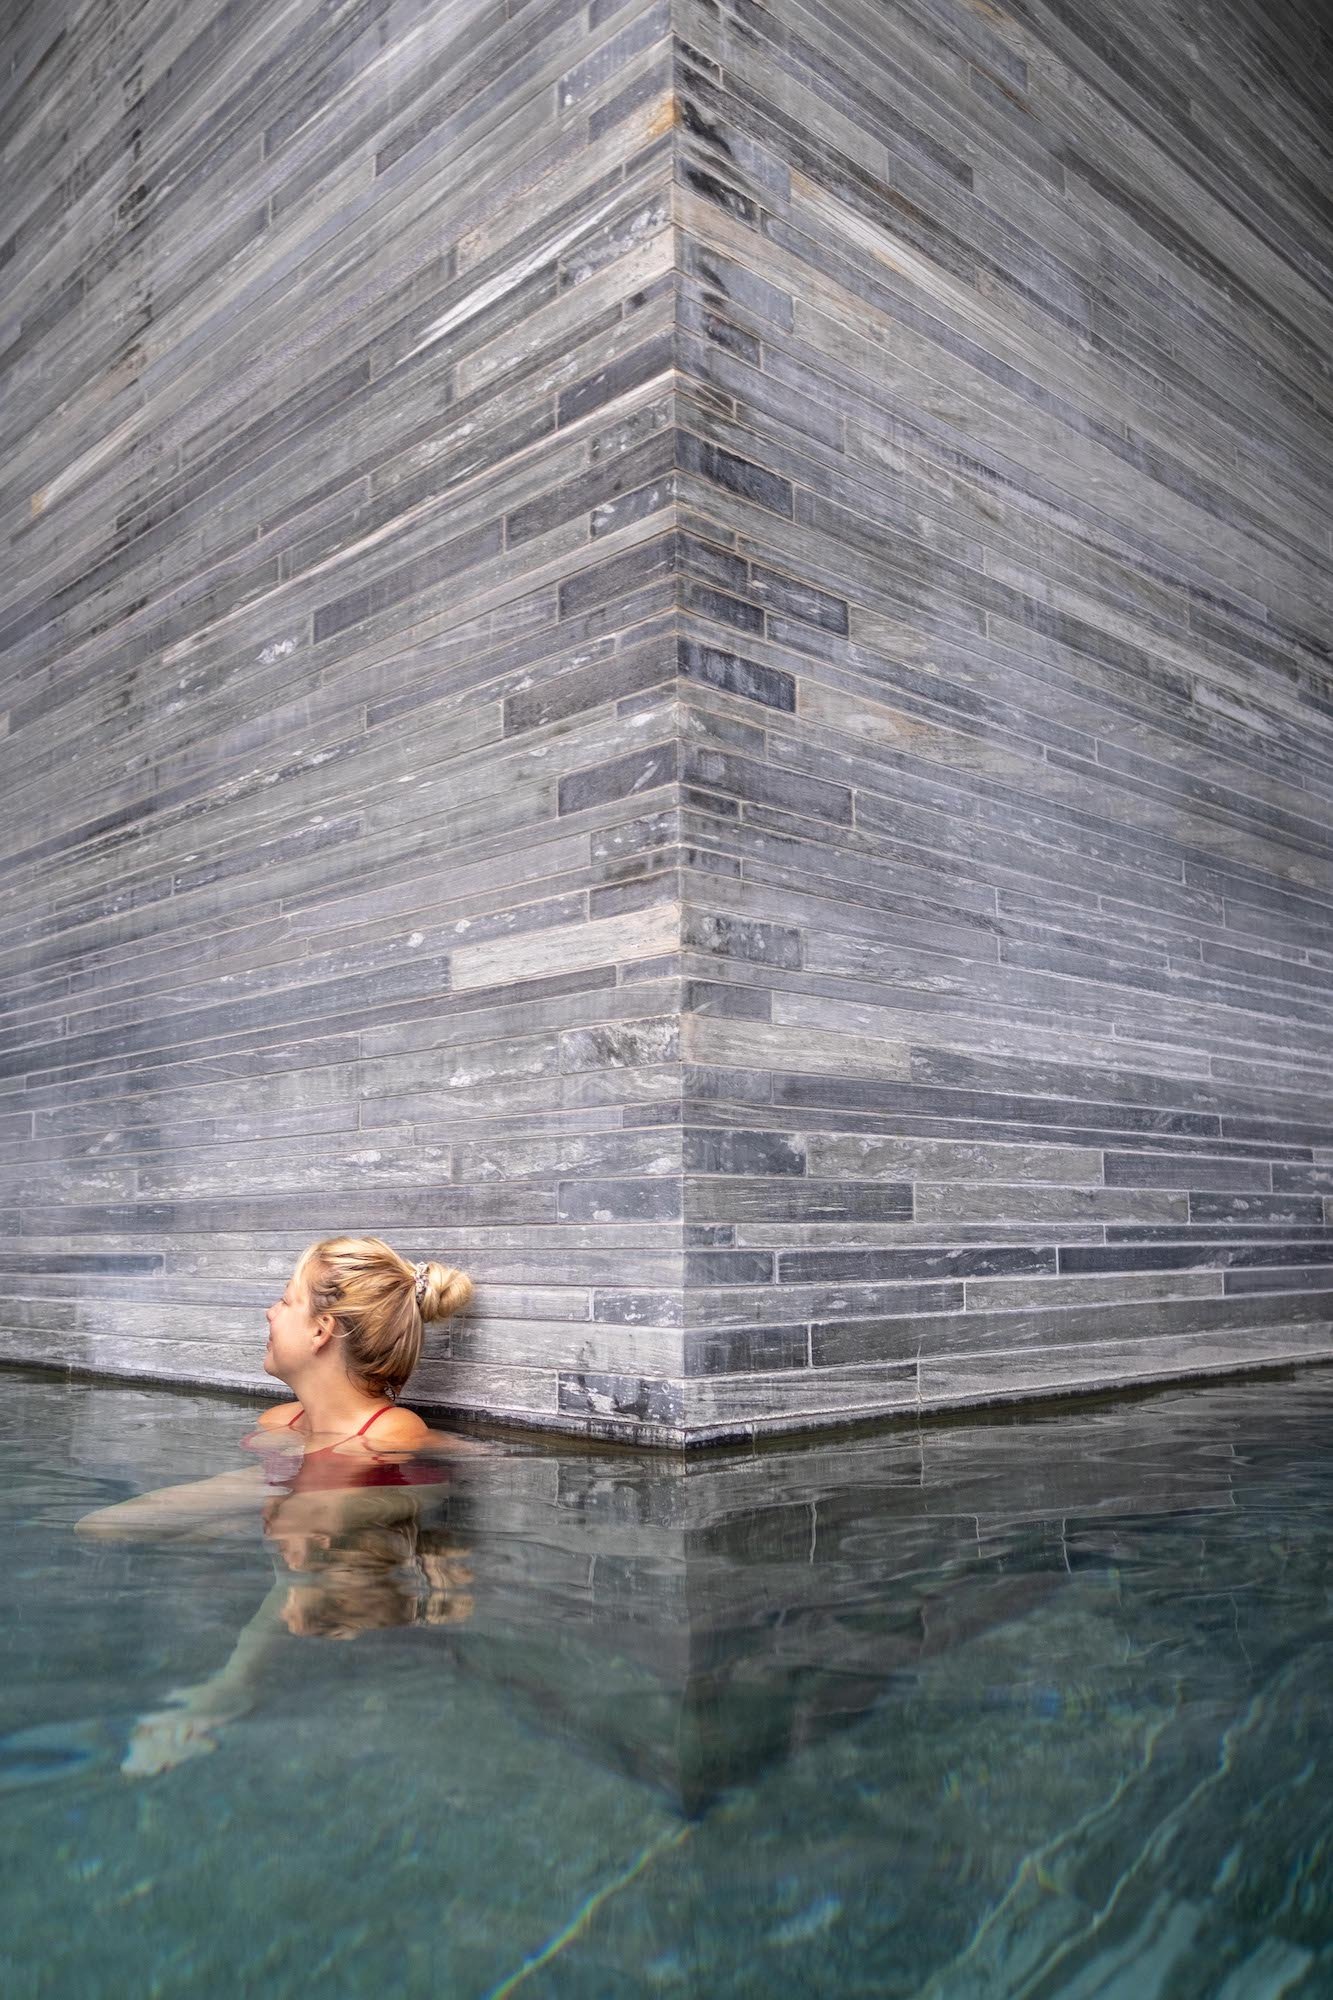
x=1033, y=1706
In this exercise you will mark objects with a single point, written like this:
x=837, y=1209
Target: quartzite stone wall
x=679, y=652
x=342, y=887
x=1005, y=358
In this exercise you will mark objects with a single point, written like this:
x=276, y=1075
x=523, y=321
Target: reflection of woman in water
x=353, y=1562
x=345, y=1474
x=363, y=1576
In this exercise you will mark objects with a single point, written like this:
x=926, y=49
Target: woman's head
x=357, y=1292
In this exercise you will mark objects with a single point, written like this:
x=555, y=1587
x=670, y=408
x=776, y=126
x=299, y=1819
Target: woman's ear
x=324, y=1331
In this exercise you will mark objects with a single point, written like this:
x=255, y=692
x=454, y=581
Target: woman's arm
x=188, y=1726
x=176, y=1510
x=299, y=1528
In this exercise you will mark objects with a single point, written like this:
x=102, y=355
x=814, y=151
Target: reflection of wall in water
x=691, y=1623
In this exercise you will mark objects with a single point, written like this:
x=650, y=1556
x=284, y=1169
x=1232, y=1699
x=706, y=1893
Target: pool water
x=1038, y=1705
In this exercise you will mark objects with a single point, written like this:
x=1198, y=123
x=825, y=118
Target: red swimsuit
x=309, y=1476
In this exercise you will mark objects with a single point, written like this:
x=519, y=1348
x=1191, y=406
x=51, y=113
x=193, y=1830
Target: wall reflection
x=690, y=1621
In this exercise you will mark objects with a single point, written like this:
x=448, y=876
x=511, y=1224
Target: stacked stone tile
x=340, y=671
x=678, y=652
x=1005, y=388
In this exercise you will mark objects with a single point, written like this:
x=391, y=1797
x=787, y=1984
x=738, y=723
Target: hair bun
x=442, y=1291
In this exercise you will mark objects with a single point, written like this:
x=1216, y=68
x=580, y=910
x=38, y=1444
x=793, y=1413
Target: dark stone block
x=708, y=1236
x=729, y=285
x=727, y=198
x=842, y=1343
x=1315, y=1278
x=1186, y=1256
x=728, y=1267
x=721, y=333
x=988, y=1108
x=705, y=1085
x=607, y=580
x=734, y=474
x=746, y=1350
x=1190, y=1171
x=705, y=602
x=642, y=364
x=643, y=771
x=1296, y=1130
x=821, y=1267
x=767, y=784
x=738, y=676
x=627, y=1397
x=1302, y=1179
x=714, y=1152
x=736, y=1003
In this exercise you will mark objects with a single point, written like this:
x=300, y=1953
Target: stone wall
x=679, y=652
x=339, y=669
x=1005, y=345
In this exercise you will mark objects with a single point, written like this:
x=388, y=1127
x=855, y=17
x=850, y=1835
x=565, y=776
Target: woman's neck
x=334, y=1403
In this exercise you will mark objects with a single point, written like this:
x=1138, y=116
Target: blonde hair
x=380, y=1302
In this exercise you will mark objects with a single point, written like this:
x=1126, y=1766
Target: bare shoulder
x=277, y=1416
x=398, y=1429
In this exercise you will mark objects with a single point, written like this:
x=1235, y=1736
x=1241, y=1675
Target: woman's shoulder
x=278, y=1416
x=397, y=1428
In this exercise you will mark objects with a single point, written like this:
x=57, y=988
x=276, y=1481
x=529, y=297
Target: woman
x=345, y=1336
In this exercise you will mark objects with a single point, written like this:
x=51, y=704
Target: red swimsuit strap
x=373, y=1418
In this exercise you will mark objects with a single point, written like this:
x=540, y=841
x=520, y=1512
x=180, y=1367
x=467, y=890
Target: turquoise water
x=1036, y=1706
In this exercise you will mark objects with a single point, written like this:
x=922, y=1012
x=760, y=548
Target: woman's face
x=290, y=1330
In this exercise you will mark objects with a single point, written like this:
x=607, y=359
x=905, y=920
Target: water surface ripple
x=1035, y=1705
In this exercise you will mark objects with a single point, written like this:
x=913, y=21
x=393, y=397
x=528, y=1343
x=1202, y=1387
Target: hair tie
x=420, y=1286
